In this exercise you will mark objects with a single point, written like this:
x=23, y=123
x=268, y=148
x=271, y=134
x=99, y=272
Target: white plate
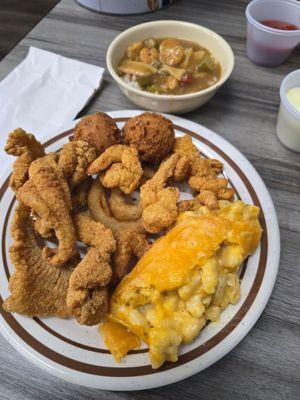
x=77, y=354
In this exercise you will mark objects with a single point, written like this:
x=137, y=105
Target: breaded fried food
x=37, y=287
x=100, y=211
x=24, y=146
x=74, y=159
x=159, y=203
x=129, y=243
x=87, y=296
x=202, y=173
x=99, y=130
x=122, y=168
x=48, y=195
x=79, y=194
x=130, y=235
x=123, y=208
x=93, y=233
x=152, y=134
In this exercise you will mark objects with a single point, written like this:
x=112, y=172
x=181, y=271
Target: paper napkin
x=44, y=92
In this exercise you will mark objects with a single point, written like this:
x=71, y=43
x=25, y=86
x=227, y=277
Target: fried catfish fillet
x=37, y=287
x=24, y=146
x=87, y=296
x=48, y=195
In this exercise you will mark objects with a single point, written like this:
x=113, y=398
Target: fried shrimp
x=122, y=168
x=159, y=204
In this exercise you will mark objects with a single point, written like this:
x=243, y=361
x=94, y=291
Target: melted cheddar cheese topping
x=186, y=278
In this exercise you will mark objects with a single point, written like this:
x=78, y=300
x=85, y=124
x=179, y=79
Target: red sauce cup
x=269, y=46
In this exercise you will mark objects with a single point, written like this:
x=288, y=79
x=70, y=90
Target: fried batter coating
x=93, y=233
x=37, y=287
x=129, y=235
x=122, y=208
x=129, y=243
x=100, y=211
x=24, y=146
x=159, y=204
x=152, y=134
x=48, y=195
x=99, y=130
x=79, y=194
x=184, y=146
x=87, y=296
x=123, y=168
x=74, y=159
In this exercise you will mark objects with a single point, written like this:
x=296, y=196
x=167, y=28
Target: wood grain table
x=266, y=364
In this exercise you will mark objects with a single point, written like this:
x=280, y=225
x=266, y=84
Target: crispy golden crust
x=159, y=204
x=129, y=243
x=24, y=146
x=74, y=159
x=93, y=233
x=99, y=130
x=47, y=194
x=100, y=211
x=152, y=134
x=87, y=296
x=37, y=287
x=122, y=168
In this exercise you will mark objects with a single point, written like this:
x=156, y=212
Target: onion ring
x=122, y=209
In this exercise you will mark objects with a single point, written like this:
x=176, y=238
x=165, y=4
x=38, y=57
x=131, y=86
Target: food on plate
x=202, y=173
x=74, y=159
x=79, y=194
x=87, y=296
x=152, y=134
x=123, y=208
x=37, y=287
x=118, y=339
x=99, y=130
x=186, y=278
x=100, y=211
x=130, y=235
x=77, y=236
x=24, y=146
x=129, y=244
x=169, y=66
x=159, y=203
x=120, y=168
x=47, y=193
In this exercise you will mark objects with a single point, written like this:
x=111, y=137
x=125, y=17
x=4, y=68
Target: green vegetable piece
x=144, y=81
x=206, y=64
x=154, y=89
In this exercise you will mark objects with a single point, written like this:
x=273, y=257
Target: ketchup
x=282, y=25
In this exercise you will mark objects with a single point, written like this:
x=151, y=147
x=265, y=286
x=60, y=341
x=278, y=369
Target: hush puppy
x=152, y=134
x=98, y=129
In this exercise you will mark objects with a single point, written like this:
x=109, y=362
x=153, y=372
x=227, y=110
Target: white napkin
x=44, y=92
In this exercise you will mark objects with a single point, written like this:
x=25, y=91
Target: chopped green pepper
x=206, y=64
x=144, y=81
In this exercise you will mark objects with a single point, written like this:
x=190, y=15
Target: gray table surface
x=266, y=364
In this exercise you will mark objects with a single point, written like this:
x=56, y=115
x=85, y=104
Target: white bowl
x=182, y=30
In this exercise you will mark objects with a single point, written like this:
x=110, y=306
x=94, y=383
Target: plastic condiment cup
x=268, y=46
x=288, y=122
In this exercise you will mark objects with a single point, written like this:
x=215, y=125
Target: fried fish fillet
x=24, y=146
x=37, y=287
x=48, y=195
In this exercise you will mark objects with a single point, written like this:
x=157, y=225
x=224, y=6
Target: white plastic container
x=268, y=46
x=125, y=7
x=288, y=122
